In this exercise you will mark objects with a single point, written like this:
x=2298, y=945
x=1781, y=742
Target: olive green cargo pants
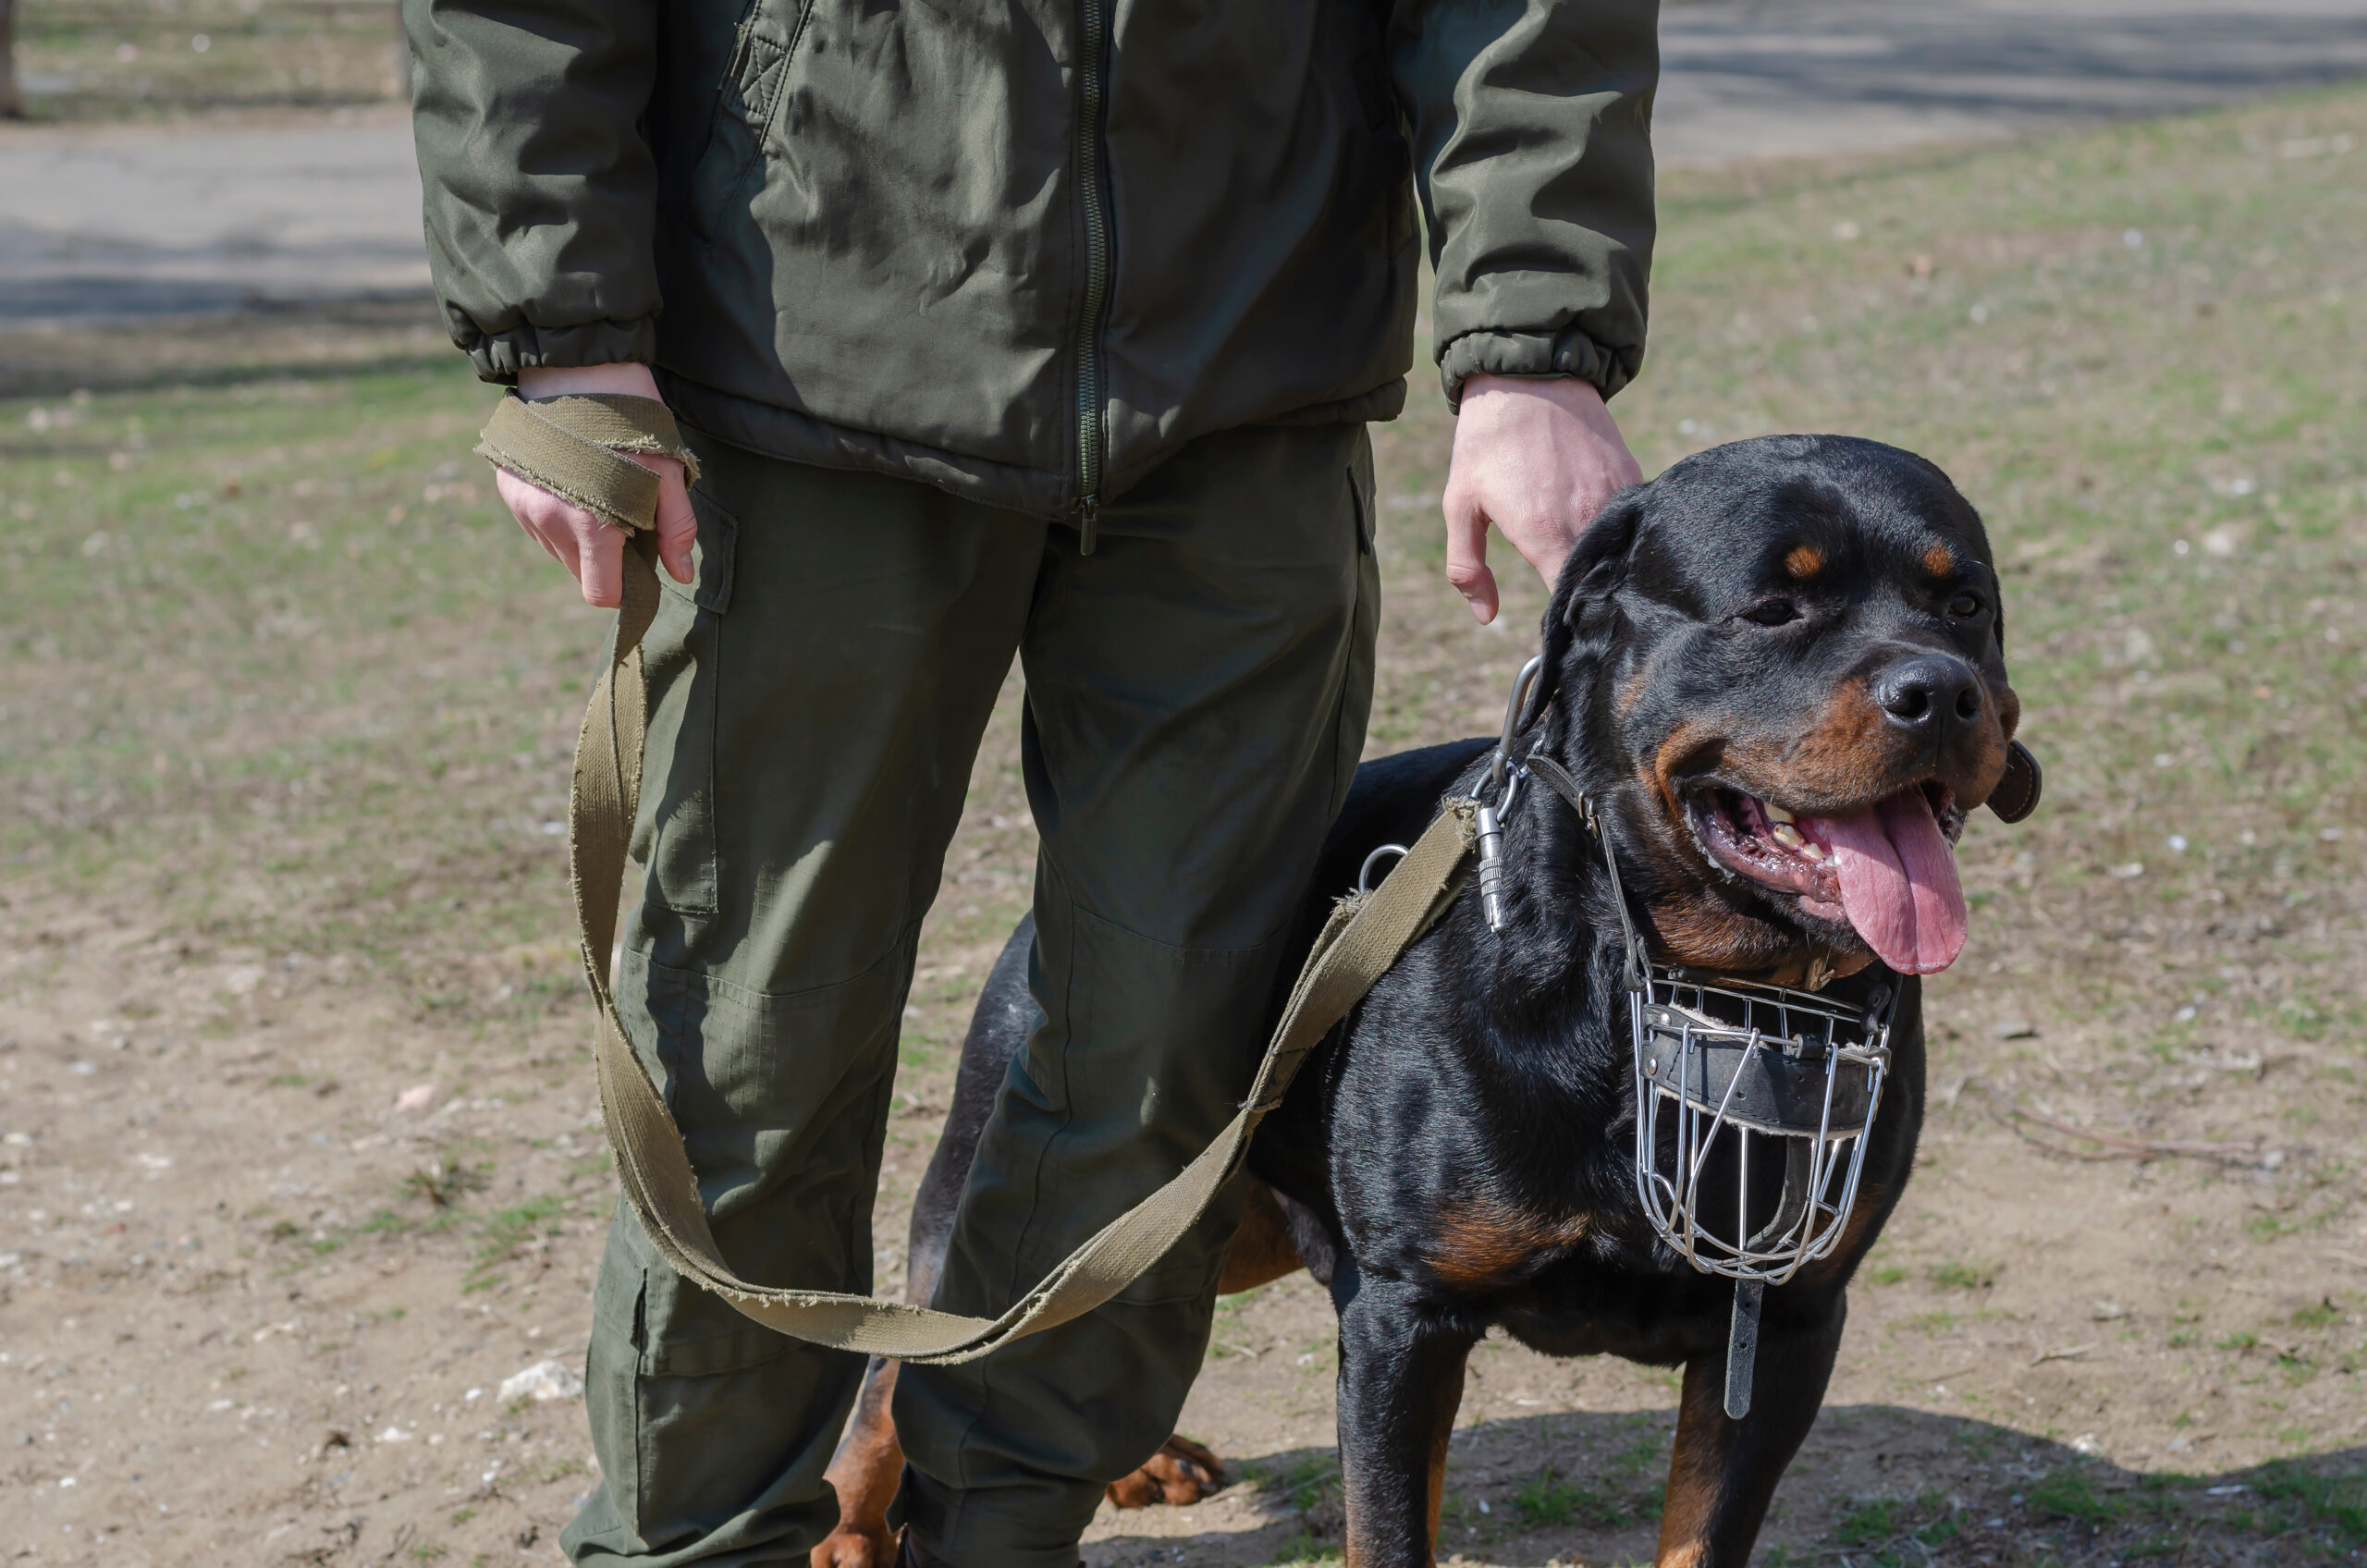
x=1196, y=695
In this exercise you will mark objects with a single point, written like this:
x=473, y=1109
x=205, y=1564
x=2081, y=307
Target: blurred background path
x=1765, y=79
x=189, y=218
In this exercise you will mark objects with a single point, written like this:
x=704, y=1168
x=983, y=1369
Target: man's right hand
x=578, y=540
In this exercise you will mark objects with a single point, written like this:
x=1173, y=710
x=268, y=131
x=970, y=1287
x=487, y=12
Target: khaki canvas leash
x=570, y=441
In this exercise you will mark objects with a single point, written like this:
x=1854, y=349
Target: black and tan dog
x=1778, y=671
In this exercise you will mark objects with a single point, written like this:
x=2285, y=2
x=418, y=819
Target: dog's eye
x=1774, y=612
x=1965, y=604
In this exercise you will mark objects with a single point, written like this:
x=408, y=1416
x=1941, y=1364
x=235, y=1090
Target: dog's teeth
x=1788, y=836
x=1775, y=813
x=1809, y=846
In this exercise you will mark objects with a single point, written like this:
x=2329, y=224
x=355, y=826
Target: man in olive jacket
x=1042, y=329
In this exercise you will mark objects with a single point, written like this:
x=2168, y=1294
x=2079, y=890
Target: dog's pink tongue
x=1898, y=881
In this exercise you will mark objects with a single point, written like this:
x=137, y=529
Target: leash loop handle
x=572, y=446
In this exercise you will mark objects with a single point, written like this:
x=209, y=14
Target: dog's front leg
x=1723, y=1472
x=864, y=1473
x=1400, y=1380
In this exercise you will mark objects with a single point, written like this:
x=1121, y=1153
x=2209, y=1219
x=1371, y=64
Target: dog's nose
x=1924, y=693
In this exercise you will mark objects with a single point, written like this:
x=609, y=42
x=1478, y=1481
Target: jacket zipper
x=1097, y=279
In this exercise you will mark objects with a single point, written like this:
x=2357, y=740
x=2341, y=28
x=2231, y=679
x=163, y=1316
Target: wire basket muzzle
x=1752, y=1104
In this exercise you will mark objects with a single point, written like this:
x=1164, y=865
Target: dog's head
x=1781, y=663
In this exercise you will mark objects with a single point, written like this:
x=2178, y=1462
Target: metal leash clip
x=1505, y=783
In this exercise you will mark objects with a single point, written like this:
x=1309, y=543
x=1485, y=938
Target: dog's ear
x=1596, y=569
x=1597, y=565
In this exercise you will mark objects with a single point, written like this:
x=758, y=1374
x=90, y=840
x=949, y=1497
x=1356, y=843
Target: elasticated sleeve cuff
x=1567, y=352
x=499, y=356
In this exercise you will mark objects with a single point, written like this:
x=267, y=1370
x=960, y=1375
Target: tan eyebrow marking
x=1939, y=561
x=1804, y=561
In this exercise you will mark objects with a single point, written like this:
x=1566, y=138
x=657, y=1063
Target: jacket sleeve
x=538, y=188
x=1531, y=128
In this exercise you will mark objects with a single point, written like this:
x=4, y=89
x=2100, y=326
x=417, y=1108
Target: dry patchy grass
x=91, y=60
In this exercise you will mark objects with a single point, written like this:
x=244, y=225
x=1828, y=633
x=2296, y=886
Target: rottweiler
x=1777, y=672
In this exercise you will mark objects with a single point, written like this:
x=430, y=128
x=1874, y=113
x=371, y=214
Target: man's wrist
x=1564, y=389
x=559, y=381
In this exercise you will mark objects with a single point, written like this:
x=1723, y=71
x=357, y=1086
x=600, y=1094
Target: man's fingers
x=1544, y=541
x=591, y=551
x=677, y=526
x=542, y=515
x=599, y=560
x=531, y=532
x=1539, y=457
x=559, y=540
x=1466, y=555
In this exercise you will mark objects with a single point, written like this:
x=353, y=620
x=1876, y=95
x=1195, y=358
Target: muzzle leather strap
x=1363, y=937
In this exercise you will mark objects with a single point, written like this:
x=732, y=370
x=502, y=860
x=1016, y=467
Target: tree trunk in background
x=11, y=106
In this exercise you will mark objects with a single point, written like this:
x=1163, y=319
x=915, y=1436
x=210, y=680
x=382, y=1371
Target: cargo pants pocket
x=683, y=655
x=691, y=1428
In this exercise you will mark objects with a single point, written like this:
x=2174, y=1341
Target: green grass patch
x=2336, y=1503
x=1305, y=1547
x=502, y=1234
x=2324, y=1315
x=1299, y=1485
x=1890, y=1532
x=2072, y=1494
x=1547, y=1498
x=1960, y=1275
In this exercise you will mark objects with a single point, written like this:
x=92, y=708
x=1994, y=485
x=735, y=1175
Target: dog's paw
x=1182, y=1471
x=850, y=1548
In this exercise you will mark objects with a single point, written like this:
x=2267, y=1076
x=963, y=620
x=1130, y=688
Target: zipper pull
x=1088, y=519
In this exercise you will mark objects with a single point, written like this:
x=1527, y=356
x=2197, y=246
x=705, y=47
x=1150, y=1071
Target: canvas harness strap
x=568, y=446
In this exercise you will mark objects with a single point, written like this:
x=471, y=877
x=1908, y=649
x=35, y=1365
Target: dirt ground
x=241, y=1328
x=300, y=1161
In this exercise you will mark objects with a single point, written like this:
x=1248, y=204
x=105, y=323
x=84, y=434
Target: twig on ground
x=2064, y=1354
x=2119, y=1147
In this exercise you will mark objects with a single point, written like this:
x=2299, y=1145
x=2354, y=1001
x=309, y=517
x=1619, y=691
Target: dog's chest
x=1581, y=1304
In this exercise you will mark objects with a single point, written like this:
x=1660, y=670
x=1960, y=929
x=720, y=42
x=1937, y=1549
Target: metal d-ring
x=1364, y=872
x=1515, y=712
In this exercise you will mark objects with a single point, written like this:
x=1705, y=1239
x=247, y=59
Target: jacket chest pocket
x=745, y=107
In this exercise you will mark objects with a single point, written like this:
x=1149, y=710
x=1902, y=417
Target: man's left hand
x=1537, y=456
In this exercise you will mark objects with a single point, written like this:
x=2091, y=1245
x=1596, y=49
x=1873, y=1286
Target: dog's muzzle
x=1752, y=1104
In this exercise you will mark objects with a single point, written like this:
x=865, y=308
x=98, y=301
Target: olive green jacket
x=1026, y=249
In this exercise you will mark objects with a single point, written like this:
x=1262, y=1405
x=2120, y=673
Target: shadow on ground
x=331, y=340
x=1874, y=1484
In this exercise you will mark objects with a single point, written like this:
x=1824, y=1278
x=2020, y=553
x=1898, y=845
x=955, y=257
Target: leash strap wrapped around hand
x=1363, y=937
x=570, y=445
